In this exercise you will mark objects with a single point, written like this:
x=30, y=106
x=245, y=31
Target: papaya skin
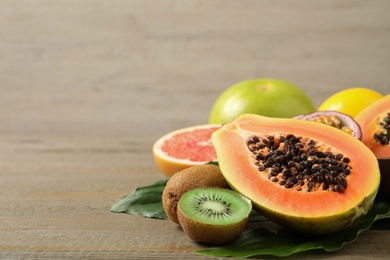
x=368, y=120
x=198, y=176
x=320, y=225
x=318, y=212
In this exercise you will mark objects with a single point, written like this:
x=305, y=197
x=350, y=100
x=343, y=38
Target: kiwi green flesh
x=215, y=206
x=198, y=176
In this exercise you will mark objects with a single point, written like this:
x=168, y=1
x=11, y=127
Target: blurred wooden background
x=87, y=86
x=111, y=59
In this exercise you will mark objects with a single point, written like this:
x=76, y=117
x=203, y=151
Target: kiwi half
x=213, y=215
x=198, y=176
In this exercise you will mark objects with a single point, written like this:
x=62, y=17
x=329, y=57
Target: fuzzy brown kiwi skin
x=199, y=176
x=211, y=234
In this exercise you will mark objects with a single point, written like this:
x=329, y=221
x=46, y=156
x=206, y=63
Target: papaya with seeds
x=306, y=176
x=374, y=122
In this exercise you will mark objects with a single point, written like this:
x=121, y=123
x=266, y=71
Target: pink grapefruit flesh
x=184, y=148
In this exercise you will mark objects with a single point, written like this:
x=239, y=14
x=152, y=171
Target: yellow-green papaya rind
x=317, y=212
x=320, y=225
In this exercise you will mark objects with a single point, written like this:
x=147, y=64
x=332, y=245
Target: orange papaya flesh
x=317, y=211
x=374, y=121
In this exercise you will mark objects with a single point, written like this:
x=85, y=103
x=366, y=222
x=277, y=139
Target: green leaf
x=213, y=163
x=145, y=201
x=261, y=241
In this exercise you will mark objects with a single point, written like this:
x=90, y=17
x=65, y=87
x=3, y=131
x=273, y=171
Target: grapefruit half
x=184, y=148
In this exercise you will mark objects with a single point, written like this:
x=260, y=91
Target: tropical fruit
x=306, y=176
x=198, y=176
x=183, y=148
x=335, y=119
x=350, y=101
x=267, y=97
x=213, y=215
x=374, y=121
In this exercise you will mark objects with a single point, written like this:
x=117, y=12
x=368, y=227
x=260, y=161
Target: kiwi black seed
x=205, y=175
x=297, y=163
x=213, y=215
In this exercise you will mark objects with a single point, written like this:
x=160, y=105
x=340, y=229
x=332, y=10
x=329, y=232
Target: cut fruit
x=198, y=176
x=303, y=175
x=374, y=121
x=213, y=215
x=335, y=119
x=184, y=148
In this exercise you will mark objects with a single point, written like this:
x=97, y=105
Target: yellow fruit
x=350, y=101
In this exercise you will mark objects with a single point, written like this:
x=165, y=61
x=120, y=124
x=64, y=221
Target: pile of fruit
x=266, y=146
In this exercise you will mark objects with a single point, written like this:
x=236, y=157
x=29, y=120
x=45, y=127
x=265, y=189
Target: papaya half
x=306, y=176
x=374, y=122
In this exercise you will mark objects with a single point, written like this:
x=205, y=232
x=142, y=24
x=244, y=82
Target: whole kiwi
x=199, y=176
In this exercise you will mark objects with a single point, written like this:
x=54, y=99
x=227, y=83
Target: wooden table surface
x=88, y=86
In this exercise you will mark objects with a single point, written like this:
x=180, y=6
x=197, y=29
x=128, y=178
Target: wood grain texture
x=88, y=86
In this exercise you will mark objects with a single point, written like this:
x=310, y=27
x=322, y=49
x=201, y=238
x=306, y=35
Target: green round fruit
x=267, y=97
